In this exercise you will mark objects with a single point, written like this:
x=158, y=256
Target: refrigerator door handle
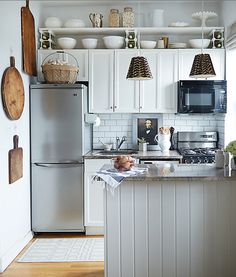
x=59, y=165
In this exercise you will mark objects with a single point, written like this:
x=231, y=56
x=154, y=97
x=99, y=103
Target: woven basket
x=60, y=74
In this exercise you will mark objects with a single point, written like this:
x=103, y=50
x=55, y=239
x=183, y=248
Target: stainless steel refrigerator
x=59, y=139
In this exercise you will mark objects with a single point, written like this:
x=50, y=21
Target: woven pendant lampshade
x=139, y=69
x=202, y=67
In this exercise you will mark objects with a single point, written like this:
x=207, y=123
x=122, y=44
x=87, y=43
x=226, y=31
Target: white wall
x=15, y=227
x=118, y=125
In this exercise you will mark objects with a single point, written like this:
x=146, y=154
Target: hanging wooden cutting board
x=15, y=161
x=28, y=40
x=12, y=91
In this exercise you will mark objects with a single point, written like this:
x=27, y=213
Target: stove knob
x=199, y=160
x=206, y=161
x=192, y=160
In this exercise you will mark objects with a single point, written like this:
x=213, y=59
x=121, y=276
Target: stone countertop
x=169, y=171
x=150, y=155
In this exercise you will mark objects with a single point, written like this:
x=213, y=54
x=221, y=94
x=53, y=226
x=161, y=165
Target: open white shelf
x=121, y=30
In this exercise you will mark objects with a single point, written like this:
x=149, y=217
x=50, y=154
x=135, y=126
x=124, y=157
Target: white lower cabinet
x=186, y=57
x=81, y=57
x=93, y=197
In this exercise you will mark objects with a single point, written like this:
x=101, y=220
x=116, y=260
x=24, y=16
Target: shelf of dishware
x=141, y=30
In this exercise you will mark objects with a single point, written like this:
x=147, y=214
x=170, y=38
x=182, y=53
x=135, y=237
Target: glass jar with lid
x=128, y=17
x=114, y=18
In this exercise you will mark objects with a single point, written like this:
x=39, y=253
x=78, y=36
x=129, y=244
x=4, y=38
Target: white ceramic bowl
x=74, y=23
x=113, y=42
x=53, y=22
x=197, y=43
x=148, y=44
x=89, y=43
x=66, y=43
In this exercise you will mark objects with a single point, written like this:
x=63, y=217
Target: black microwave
x=202, y=96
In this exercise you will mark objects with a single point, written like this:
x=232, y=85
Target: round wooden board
x=13, y=92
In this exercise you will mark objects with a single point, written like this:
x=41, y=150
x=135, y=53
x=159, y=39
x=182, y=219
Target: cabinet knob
x=140, y=107
x=115, y=107
x=111, y=107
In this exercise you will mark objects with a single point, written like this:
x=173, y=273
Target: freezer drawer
x=57, y=197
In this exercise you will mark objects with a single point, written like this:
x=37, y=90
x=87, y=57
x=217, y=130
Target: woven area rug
x=64, y=250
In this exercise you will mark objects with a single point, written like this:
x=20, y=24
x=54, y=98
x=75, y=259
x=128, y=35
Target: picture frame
x=146, y=126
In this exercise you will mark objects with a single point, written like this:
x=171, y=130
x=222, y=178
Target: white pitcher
x=157, y=18
x=163, y=141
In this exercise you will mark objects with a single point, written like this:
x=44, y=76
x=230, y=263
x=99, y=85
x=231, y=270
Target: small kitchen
x=115, y=111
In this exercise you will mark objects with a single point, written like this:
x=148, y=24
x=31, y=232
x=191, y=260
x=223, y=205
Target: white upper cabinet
x=186, y=58
x=72, y=56
x=160, y=93
x=101, y=75
x=126, y=91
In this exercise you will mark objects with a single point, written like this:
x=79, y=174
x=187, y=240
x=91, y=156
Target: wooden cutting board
x=15, y=161
x=28, y=40
x=13, y=91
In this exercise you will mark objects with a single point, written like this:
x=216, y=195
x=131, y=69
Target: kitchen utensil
x=53, y=22
x=74, y=23
x=28, y=40
x=179, y=24
x=96, y=19
x=113, y=42
x=15, y=161
x=148, y=44
x=198, y=43
x=160, y=43
x=12, y=91
x=66, y=42
x=107, y=146
x=172, y=129
x=89, y=43
x=204, y=16
x=157, y=18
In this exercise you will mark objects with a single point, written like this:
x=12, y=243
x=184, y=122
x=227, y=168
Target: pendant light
x=202, y=65
x=139, y=68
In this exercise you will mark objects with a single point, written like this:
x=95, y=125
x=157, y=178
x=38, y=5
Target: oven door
x=196, y=99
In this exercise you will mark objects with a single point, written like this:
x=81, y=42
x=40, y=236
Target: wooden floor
x=80, y=269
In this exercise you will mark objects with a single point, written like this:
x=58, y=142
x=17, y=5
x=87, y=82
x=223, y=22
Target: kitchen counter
x=169, y=171
x=176, y=220
x=151, y=155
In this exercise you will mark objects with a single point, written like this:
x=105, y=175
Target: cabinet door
x=101, y=76
x=160, y=93
x=126, y=91
x=167, y=75
x=149, y=88
x=186, y=57
x=81, y=57
x=93, y=193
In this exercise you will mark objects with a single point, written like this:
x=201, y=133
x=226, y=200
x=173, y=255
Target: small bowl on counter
x=113, y=42
x=148, y=44
x=66, y=42
x=89, y=43
x=199, y=43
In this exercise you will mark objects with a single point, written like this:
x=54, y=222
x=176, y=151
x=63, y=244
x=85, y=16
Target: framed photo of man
x=146, y=126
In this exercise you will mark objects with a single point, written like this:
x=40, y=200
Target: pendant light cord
x=139, y=35
x=202, y=27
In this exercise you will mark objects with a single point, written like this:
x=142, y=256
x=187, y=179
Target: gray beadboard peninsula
x=174, y=220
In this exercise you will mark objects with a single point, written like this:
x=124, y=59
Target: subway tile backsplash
x=118, y=125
